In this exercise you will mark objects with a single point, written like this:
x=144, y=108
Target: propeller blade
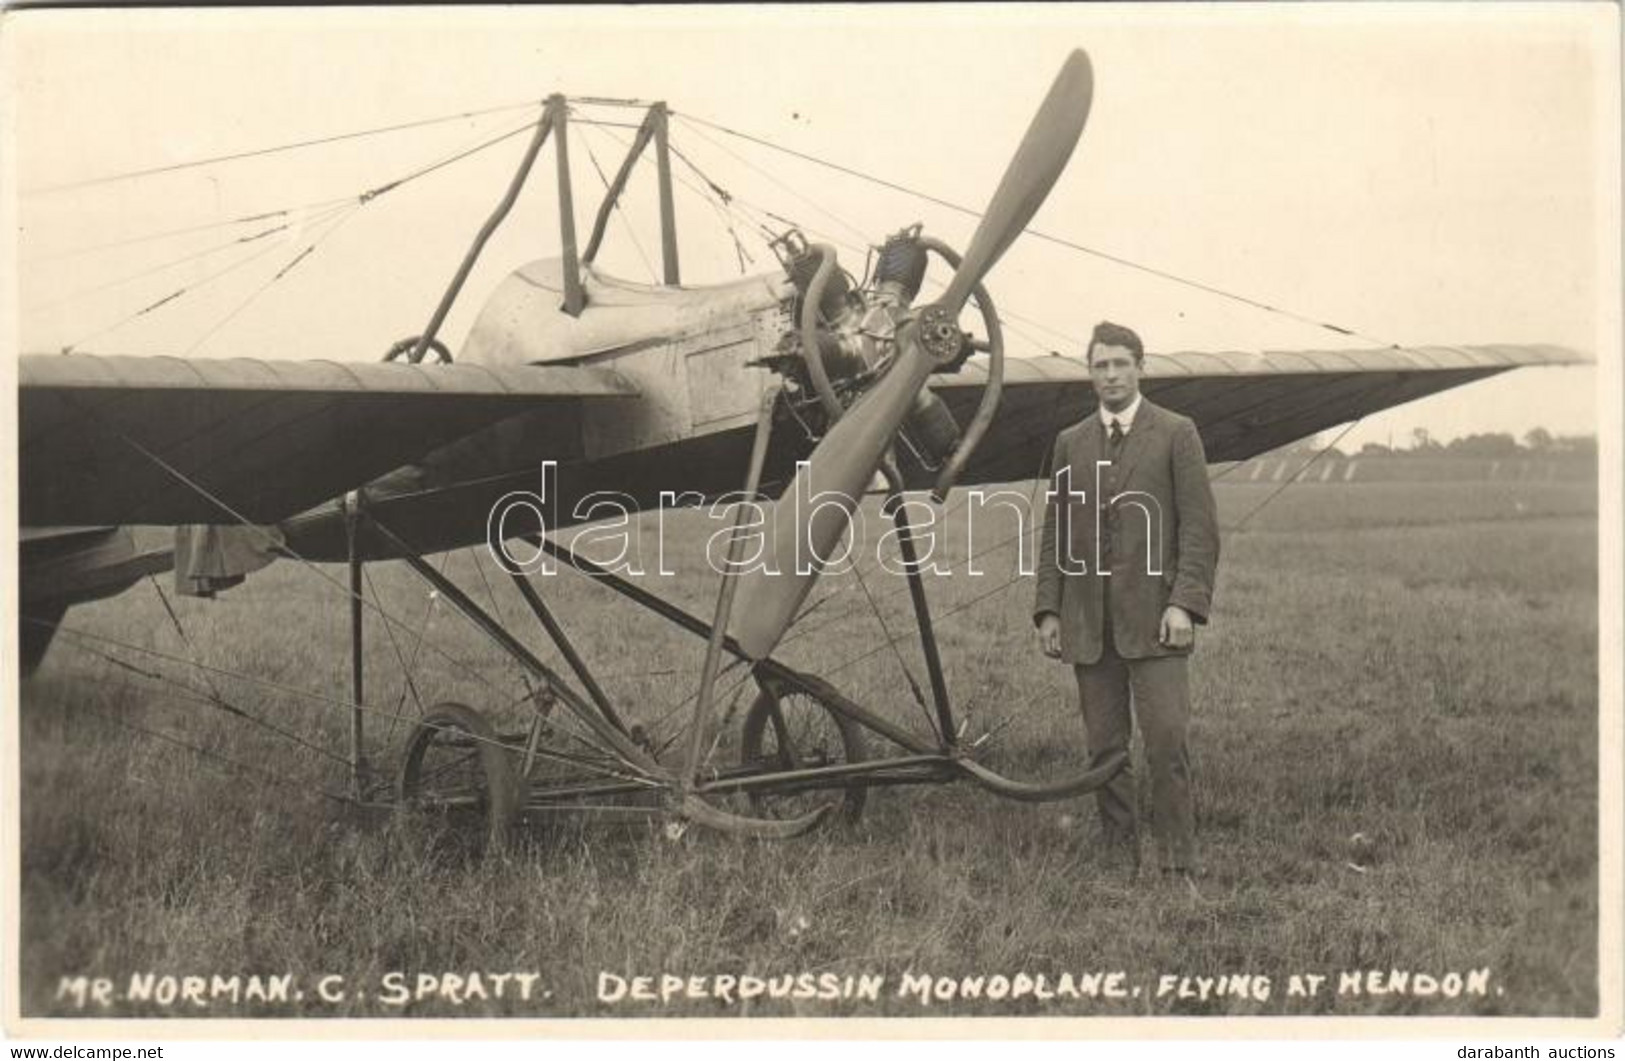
x=831, y=482
x=829, y=487
x=1037, y=164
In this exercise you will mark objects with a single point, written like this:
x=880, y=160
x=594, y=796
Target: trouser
x=1159, y=691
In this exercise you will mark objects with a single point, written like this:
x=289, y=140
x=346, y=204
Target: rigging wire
x=693, y=121
x=148, y=237
x=731, y=694
x=502, y=620
x=728, y=201
x=266, y=683
x=531, y=692
x=728, y=198
x=741, y=255
x=972, y=554
x=217, y=758
x=1008, y=447
x=269, y=215
x=175, y=621
x=1022, y=533
x=951, y=613
x=211, y=698
x=408, y=685
x=265, y=215
x=746, y=162
x=620, y=212
x=936, y=619
x=890, y=640
x=897, y=653
x=1033, y=532
x=716, y=194
x=283, y=548
x=259, y=152
x=1327, y=448
x=346, y=206
x=1037, y=234
x=718, y=203
x=260, y=215
x=193, y=286
x=334, y=224
x=269, y=542
x=161, y=267
x=409, y=667
x=371, y=194
x=1036, y=531
x=294, y=691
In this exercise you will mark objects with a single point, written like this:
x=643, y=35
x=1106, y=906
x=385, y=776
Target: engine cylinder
x=902, y=264
x=832, y=301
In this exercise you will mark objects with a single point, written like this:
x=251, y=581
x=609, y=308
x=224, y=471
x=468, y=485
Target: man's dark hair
x=1111, y=334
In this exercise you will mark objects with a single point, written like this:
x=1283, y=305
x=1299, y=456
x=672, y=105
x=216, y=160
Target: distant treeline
x=1538, y=444
x=1497, y=456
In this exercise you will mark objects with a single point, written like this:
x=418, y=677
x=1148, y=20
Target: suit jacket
x=1157, y=535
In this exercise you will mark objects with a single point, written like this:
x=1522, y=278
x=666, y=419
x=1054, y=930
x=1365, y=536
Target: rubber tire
x=853, y=749
x=504, y=793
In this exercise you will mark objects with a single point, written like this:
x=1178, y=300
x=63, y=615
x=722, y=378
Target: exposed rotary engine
x=855, y=330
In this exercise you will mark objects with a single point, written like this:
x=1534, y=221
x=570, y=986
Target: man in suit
x=1125, y=574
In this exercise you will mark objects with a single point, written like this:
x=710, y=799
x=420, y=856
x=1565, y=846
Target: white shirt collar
x=1126, y=417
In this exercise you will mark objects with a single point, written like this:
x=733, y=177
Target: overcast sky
x=1420, y=174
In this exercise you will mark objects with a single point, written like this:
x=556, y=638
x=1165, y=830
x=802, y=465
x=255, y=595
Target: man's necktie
x=1117, y=436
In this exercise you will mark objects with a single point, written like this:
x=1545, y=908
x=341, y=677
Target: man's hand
x=1177, y=630
x=1049, y=635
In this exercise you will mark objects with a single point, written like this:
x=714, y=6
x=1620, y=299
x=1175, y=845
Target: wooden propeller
x=770, y=594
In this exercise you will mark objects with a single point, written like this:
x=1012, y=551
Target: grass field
x=1417, y=662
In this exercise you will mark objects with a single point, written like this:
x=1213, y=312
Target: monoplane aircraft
x=805, y=381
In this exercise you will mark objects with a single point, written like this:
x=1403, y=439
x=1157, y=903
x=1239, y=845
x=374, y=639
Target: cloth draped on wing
x=210, y=558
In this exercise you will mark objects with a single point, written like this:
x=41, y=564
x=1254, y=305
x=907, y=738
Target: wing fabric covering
x=1244, y=404
x=166, y=441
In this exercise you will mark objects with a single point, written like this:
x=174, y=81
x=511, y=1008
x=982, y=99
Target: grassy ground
x=1412, y=661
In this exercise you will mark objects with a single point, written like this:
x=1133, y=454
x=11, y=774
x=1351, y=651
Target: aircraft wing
x=1243, y=403
x=162, y=440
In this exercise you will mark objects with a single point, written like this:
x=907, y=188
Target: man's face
x=1116, y=375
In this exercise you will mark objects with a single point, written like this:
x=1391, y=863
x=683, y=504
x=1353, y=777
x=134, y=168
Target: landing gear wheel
x=794, y=730
x=435, y=354
x=457, y=769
